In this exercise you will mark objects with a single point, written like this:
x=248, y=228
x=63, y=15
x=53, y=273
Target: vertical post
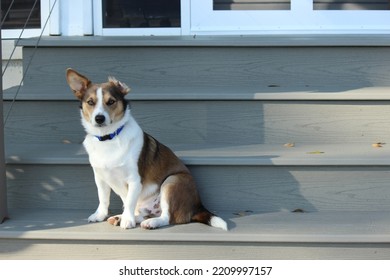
x=3, y=187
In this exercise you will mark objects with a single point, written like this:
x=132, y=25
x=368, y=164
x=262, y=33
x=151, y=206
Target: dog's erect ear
x=77, y=82
x=122, y=87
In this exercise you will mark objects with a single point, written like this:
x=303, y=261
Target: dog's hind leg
x=157, y=222
x=163, y=219
x=178, y=197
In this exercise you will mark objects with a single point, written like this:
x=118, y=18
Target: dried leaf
x=315, y=153
x=65, y=141
x=378, y=145
x=243, y=213
x=289, y=145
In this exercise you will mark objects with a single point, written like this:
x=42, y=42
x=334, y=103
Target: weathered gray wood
x=222, y=188
x=318, y=154
x=27, y=249
x=296, y=40
x=320, y=69
x=201, y=94
x=213, y=105
x=333, y=234
x=268, y=178
x=215, y=122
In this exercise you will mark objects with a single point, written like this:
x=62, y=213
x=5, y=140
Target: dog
x=156, y=188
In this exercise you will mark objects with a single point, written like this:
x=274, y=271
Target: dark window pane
x=248, y=5
x=351, y=4
x=16, y=13
x=141, y=13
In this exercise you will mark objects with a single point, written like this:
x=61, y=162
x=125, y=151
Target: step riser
x=261, y=189
x=217, y=67
x=59, y=250
x=217, y=122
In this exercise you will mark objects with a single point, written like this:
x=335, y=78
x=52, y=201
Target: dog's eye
x=110, y=102
x=90, y=102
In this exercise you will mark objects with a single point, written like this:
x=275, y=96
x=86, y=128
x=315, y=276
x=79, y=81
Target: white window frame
x=301, y=19
x=33, y=32
x=99, y=30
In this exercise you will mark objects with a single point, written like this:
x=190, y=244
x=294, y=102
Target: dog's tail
x=204, y=216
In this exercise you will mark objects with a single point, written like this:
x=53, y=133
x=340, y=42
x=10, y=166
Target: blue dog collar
x=110, y=136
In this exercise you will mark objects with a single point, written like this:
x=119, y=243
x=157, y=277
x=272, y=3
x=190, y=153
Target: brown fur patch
x=89, y=96
x=158, y=164
x=113, y=104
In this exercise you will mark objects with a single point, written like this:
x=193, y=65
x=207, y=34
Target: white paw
x=154, y=223
x=127, y=221
x=97, y=217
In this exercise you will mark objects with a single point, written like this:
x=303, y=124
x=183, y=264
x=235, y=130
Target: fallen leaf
x=243, y=213
x=289, y=145
x=378, y=145
x=298, y=210
x=315, y=153
x=65, y=141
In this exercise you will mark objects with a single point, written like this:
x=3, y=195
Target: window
x=141, y=13
x=373, y=5
x=18, y=13
x=259, y=5
x=137, y=17
x=241, y=17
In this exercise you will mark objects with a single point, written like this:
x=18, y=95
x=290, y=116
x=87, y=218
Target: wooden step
x=269, y=178
x=231, y=122
x=49, y=234
x=261, y=155
x=209, y=64
x=296, y=40
x=271, y=92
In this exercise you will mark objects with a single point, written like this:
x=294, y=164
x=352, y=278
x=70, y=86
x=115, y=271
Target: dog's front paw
x=97, y=217
x=127, y=221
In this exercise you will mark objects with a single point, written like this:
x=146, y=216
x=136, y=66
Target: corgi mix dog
x=156, y=188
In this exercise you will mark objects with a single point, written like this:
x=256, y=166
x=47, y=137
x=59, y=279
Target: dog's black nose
x=99, y=119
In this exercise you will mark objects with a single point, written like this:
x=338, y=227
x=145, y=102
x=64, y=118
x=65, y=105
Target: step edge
x=367, y=94
x=310, y=40
x=277, y=155
x=196, y=237
x=277, y=227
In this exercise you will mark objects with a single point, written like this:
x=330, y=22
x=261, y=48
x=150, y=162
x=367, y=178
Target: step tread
x=261, y=154
x=295, y=40
x=266, y=92
x=318, y=227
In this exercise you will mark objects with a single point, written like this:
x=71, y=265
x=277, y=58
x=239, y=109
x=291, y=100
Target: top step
x=214, y=68
x=211, y=41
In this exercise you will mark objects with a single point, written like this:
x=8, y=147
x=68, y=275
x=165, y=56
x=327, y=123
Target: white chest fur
x=123, y=150
x=116, y=161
